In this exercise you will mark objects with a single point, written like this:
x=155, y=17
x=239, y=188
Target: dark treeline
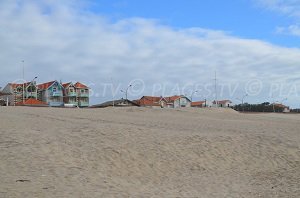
x=295, y=110
x=263, y=107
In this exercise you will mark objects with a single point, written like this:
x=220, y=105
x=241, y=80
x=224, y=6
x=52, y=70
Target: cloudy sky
x=160, y=47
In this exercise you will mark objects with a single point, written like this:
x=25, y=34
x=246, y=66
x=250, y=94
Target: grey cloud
x=59, y=41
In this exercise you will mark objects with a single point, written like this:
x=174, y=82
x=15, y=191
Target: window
x=31, y=89
x=54, y=89
x=84, y=100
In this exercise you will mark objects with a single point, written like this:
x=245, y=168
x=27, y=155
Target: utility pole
x=127, y=91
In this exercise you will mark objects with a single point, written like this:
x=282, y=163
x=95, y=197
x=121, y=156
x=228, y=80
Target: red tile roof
x=150, y=101
x=32, y=102
x=45, y=85
x=80, y=85
x=280, y=105
x=197, y=103
x=65, y=85
x=15, y=85
x=171, y=99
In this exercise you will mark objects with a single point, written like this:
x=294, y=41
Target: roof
x=65, y=85
x=46, y=85
x=31, y=102
x=222, y=101
x=280, y=105
x=197, y=103
x=171, y=99
x=15, y=85
x=150, y=100
x=118, y=103
x=80, y=85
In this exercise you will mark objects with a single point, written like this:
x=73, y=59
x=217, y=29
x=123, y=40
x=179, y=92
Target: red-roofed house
x=15, y=93
x=51, y=93
x=152, y=101
x=82, y=94
x=285, y=109
x=70, y=94
x=178, y=101
x=76, y=94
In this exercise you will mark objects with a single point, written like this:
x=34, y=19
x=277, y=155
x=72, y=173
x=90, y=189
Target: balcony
x=72, y=94
x=55, y=104
x=83, y=104
x=57, y=94
x=83, y=95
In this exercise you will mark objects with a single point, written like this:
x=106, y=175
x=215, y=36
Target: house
x=285, y=109
x=70, y=94
x=76, y=94
x=223, y=103
x=51, y=93
x=199, y=104
x=152, y=101
x=178, y=101
x=82, y=92
x=14, y=93
x=116, y=103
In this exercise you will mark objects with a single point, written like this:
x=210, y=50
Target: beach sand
x=142, y=152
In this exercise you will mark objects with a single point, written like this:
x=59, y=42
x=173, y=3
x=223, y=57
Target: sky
x=159, y=47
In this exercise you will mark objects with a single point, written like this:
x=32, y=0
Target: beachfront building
x=82, y=92
x=169, y=102
x=76, y=94
x=152, y=101
x=14, y=93
x=51, y=93
x=178, y=101
x=278, y=107
x=70, y=94
x=223, y=103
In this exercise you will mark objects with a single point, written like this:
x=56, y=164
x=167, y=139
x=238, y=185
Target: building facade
x=19, y=92
x=82, y=94
x=178, y=101
x=152, y=101
x=51, y=93
x=223, y=103
x=76, y=94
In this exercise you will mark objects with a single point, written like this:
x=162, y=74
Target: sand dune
x=140, y=152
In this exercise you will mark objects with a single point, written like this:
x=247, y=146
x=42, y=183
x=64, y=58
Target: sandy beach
x=141, y=152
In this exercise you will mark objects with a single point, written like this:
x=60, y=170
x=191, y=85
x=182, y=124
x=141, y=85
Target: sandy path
x=138, y=152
